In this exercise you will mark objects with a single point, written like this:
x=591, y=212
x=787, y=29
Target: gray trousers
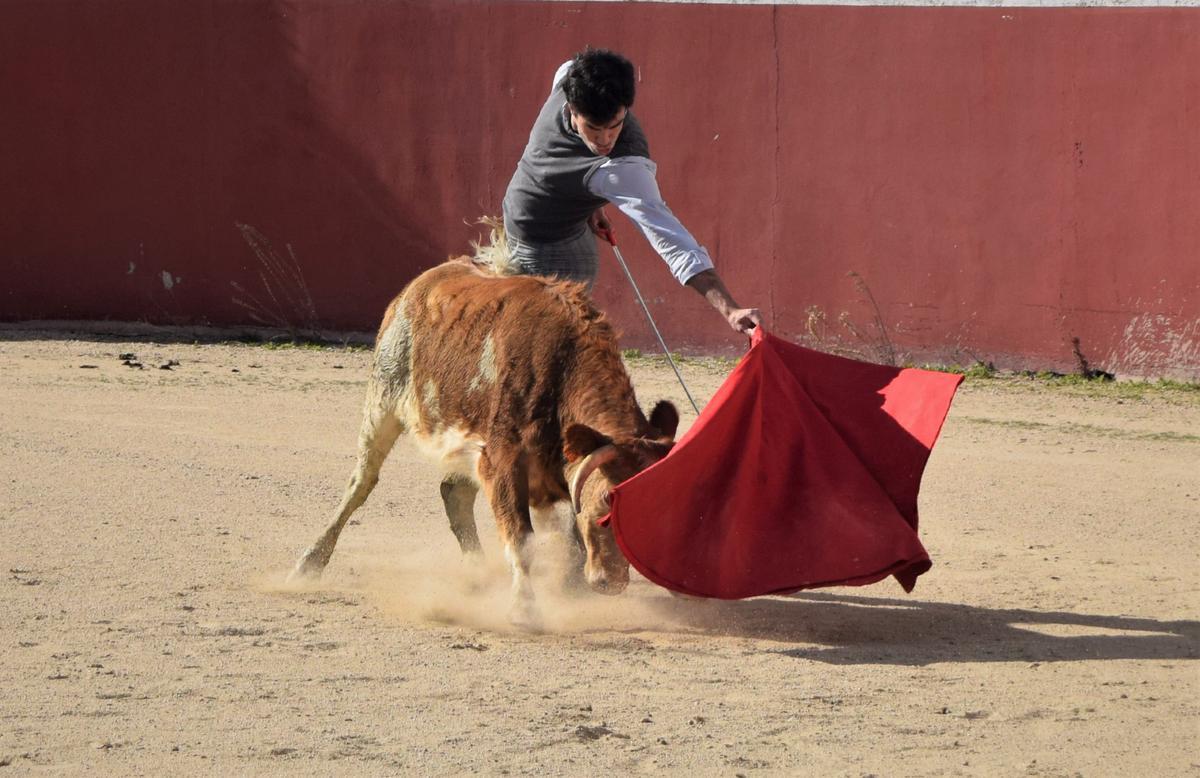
x=573, y=259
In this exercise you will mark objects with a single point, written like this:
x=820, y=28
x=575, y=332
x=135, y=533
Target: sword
x=612, y=241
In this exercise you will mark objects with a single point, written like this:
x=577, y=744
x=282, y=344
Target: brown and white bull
x=514, y=383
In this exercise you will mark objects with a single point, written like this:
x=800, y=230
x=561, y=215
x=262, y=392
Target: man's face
x=599, y=138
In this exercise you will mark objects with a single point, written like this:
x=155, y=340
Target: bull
x=515, y=384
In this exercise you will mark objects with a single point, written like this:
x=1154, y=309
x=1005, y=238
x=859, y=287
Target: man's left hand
x=743, y=319
x=709, y=284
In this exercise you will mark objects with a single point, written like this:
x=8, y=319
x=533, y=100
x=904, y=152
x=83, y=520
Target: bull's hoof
x=574, y=583
x=307, y=570
x=475, y=576
x=525, y=616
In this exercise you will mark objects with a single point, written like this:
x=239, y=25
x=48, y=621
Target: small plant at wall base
x=1085, y=370
x=287, y=303
x=882, y=343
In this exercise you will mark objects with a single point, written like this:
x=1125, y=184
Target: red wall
x=1000, y=180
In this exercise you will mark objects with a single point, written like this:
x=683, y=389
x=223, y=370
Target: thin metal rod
x=653, y=326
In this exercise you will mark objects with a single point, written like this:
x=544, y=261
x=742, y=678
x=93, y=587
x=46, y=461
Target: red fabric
x=802, y=471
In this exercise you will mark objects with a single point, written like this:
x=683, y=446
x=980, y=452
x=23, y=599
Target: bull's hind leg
x=378, y=434
x=458, y=497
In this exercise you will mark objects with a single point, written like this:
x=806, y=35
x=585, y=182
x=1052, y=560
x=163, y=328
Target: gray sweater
x=548, y=198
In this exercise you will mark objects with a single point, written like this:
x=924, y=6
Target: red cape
x=802, y=471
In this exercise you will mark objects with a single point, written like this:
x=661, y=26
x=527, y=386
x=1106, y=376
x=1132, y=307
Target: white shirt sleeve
x=629, y=184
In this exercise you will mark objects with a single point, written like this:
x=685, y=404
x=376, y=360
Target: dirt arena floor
x=148, y=517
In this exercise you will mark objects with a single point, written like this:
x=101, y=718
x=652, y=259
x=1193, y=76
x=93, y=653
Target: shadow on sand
x=848, y=629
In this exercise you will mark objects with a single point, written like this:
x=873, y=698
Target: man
x=585, y=150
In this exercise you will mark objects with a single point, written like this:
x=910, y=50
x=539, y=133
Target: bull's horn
x=600, y=456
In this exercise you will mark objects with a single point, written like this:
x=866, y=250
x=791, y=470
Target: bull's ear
x=665, y=418
x=579, y=440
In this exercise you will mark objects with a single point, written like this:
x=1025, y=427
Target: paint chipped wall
x=1007, y=184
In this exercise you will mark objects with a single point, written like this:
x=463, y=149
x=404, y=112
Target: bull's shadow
x=847, y=629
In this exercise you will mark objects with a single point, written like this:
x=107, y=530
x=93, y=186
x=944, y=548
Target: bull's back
x=479, y=350
x=457, y=308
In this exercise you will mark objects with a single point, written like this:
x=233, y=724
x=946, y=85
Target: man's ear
x=579, y=440
x=574, y=117
x=665, y=418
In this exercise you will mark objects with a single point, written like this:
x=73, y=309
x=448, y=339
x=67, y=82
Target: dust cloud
x=439, y=585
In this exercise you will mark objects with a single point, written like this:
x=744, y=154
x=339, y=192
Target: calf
x=514, y=383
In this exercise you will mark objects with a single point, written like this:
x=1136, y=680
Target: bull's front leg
x=548, y=519
x=505, y=473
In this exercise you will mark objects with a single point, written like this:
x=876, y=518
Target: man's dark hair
x=599, y=83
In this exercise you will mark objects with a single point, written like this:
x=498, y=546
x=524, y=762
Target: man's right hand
x=600, y=225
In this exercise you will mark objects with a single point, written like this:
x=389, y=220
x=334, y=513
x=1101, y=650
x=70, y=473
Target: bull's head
x=595, y=464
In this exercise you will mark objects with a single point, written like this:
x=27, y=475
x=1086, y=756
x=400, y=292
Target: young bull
x=515, y=383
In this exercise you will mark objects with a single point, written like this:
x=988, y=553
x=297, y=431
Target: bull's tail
x=493, y=254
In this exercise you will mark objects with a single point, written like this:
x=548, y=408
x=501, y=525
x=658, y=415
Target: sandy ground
x=148, y=517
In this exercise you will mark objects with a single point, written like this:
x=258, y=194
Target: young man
x=585, y=150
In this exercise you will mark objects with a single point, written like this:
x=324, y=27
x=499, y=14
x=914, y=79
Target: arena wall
x=916, y=184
